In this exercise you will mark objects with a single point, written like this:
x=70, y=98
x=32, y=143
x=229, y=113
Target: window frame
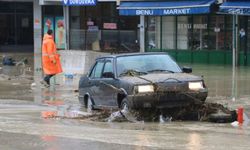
x=93, y=70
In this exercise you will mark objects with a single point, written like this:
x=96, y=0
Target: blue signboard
x=165, y=8
x=79, y=2
x=236, y=7
x=163, y=12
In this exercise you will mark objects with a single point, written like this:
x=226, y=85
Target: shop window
x=184, y=32
x=109, y=10
x=192, y=32
x=168, y=32
x=216, y=32
x=128, y=33
x=7, y=30
x=77, y=27
x=228, y=32
x=53, y=19
x=52, y=10
x=24, y=28
x=7, y=7
x=153, y=33
x=248, y=34
x=93, y=21
x=243, y=33
x=101, y=28
x=110, y=34
x=200, y=33
x=24, y=7
x=16, y=22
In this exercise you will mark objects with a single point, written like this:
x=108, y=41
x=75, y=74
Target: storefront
x=91, y=25
x=195, y=32
x=239, y=10
x=101, y=28
x=192, y=32
x=16, y=26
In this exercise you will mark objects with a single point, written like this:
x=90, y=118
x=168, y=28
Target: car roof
x=132, y=54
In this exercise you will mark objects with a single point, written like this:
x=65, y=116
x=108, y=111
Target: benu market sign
x=79, y=2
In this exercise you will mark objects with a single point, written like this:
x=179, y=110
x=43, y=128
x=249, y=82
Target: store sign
x=79, y=2
x=235, y=11
x=109, y=25
x=164, y=12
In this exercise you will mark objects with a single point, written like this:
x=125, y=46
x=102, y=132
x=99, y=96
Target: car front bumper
x=166, y=99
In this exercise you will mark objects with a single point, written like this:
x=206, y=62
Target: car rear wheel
x=89, y=104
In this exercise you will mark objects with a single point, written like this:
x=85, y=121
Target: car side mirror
x=108, y=75
x=187, y=69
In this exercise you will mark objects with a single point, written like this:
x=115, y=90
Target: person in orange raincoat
x=50, y=58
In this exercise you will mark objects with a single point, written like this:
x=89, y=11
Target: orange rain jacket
x=50, y=58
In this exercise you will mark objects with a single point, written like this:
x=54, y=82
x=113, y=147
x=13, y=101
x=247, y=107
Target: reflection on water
x=194, y=142
x=219, y=79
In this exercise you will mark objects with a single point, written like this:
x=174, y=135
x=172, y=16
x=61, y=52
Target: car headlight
x=145, y=88
x=195, y=86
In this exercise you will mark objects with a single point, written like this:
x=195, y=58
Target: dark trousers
x=47, y=78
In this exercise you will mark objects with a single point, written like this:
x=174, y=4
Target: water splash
x=163, y=119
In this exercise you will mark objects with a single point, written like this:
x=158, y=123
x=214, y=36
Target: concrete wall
x=78, y=62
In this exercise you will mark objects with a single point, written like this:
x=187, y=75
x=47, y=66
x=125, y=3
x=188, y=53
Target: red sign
x=109, y=25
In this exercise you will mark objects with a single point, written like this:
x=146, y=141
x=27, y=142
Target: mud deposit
x=15, y=80
x=208, y=112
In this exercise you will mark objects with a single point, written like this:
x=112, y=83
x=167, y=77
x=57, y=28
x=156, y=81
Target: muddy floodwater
x=34, y=117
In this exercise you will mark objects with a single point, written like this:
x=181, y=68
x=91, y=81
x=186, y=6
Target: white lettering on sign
x=176, y=11
x=189, y=26
x=184, y=26
x=144, y=12
x=65, y=1
x=236, y=11
x=200, y=26
x=79, y=2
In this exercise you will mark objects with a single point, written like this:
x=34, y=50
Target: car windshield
x=147, y=64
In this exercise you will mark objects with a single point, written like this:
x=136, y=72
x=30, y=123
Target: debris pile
x=209, y=112
x=9, y=61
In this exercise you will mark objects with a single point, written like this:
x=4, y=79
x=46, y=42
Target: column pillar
x=37, y=17
x=142, y=34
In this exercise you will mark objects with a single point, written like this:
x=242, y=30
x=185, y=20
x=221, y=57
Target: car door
x=94, y=81
x=107, y=87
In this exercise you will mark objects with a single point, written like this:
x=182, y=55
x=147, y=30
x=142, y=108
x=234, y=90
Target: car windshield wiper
x=132, y=72
x=160, y=70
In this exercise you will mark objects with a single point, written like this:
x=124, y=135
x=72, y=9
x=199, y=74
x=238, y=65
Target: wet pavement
x=33, y=117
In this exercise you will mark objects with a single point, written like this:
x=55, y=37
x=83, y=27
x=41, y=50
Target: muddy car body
x=140, y=80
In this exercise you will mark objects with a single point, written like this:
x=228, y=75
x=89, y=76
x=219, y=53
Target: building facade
x=194, y=31
x=197, y=32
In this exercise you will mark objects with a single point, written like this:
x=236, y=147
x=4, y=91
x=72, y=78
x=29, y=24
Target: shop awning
x=183, y=7
x=240, y=7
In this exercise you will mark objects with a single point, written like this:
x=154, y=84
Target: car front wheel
x=124, y=105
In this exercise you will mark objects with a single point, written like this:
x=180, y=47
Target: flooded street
x=34, y=117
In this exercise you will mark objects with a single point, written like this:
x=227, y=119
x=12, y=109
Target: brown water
x=219, y=80
x=32, y=117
